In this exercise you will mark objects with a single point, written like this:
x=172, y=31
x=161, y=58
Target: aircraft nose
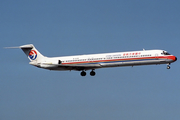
x=175, y=59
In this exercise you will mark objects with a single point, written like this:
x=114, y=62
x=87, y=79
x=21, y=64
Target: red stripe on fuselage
x=171, y=57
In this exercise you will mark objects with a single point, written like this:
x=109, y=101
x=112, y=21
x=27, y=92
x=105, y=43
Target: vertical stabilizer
x=32, y=53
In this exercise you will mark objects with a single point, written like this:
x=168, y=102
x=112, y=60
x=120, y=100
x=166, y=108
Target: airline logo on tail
x=32, y=54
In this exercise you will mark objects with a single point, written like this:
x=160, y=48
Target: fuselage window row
x=94, y=59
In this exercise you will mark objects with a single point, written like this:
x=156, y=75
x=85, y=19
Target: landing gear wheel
x=92, y=73
x=168, y=67
x=83, y=73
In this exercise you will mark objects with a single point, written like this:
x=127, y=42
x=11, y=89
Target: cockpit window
x=166, y=53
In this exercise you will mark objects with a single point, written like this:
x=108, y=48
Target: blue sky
x=59, y=28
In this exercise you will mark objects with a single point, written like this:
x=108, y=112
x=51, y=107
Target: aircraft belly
x=133, y=63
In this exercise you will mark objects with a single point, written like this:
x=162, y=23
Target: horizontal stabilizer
x=11, y=47
x=23, y=46
x=27, y=46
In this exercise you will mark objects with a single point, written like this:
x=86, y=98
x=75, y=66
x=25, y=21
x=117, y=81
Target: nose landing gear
x=168, y=66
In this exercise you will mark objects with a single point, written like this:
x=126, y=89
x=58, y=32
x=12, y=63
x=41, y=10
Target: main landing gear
x=83, y=73
x=92, y=73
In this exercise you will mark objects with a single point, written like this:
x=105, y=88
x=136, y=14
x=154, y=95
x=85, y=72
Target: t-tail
x=31, y=52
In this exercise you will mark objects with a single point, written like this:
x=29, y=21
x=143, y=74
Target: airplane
x=95, y=61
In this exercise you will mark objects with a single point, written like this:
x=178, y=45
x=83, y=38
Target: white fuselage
x=117, y=59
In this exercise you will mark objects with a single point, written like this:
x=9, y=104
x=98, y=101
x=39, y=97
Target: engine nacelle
x=50, y=64
x=46, y=65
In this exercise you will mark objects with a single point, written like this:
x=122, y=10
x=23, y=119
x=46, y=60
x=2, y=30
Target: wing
x=80, y=67
x=77, y=67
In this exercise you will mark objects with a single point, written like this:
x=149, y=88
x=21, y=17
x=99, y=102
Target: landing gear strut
x=83, y=73
x=92, y=73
